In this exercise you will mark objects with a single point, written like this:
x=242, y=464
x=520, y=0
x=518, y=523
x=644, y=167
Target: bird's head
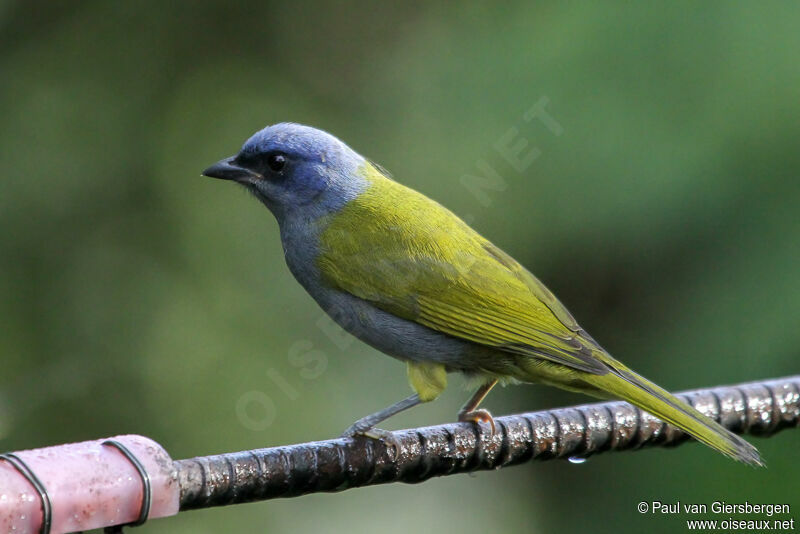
x=291, y=167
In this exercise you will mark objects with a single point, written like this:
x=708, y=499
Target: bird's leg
x=428, y=379
x=470, y=413
x=366, y=425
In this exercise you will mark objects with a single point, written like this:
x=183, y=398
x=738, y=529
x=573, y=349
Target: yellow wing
x=412, y=257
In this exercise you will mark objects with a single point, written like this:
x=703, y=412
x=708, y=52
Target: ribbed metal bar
x=761, y=408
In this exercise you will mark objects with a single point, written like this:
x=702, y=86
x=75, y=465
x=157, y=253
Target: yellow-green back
x=414, y=258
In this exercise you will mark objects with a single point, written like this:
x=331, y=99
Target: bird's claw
x=478, y=416
x=384, y=436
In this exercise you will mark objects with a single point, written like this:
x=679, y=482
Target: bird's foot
x=477, y=416
x=379, y=434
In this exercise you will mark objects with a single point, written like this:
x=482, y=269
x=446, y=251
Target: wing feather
x=424, y=264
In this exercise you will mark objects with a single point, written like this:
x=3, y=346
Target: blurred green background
x=138, y=297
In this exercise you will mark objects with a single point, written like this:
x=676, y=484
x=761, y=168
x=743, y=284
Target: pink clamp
x=82, y=486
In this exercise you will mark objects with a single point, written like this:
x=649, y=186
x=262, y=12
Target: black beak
x=226, y=169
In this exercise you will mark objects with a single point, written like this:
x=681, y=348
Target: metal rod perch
x=80, y=486
x=760, y=408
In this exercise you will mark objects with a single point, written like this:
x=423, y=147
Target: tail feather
x=662, y=404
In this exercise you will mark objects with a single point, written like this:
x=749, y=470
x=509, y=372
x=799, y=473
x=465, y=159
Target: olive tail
x=625, y=384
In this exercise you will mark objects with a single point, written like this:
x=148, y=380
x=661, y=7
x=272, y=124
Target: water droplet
x=576, y=460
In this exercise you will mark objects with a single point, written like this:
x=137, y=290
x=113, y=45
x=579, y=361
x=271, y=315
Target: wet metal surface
x=761, y=408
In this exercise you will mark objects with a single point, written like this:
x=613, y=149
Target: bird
x=407, y=276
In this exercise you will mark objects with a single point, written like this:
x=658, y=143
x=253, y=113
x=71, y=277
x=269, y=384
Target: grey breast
x=395, y=336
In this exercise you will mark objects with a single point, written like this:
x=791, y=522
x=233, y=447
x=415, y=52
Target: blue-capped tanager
x=404, y=274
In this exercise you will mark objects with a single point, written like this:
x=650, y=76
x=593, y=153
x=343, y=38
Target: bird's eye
x=276, y=162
